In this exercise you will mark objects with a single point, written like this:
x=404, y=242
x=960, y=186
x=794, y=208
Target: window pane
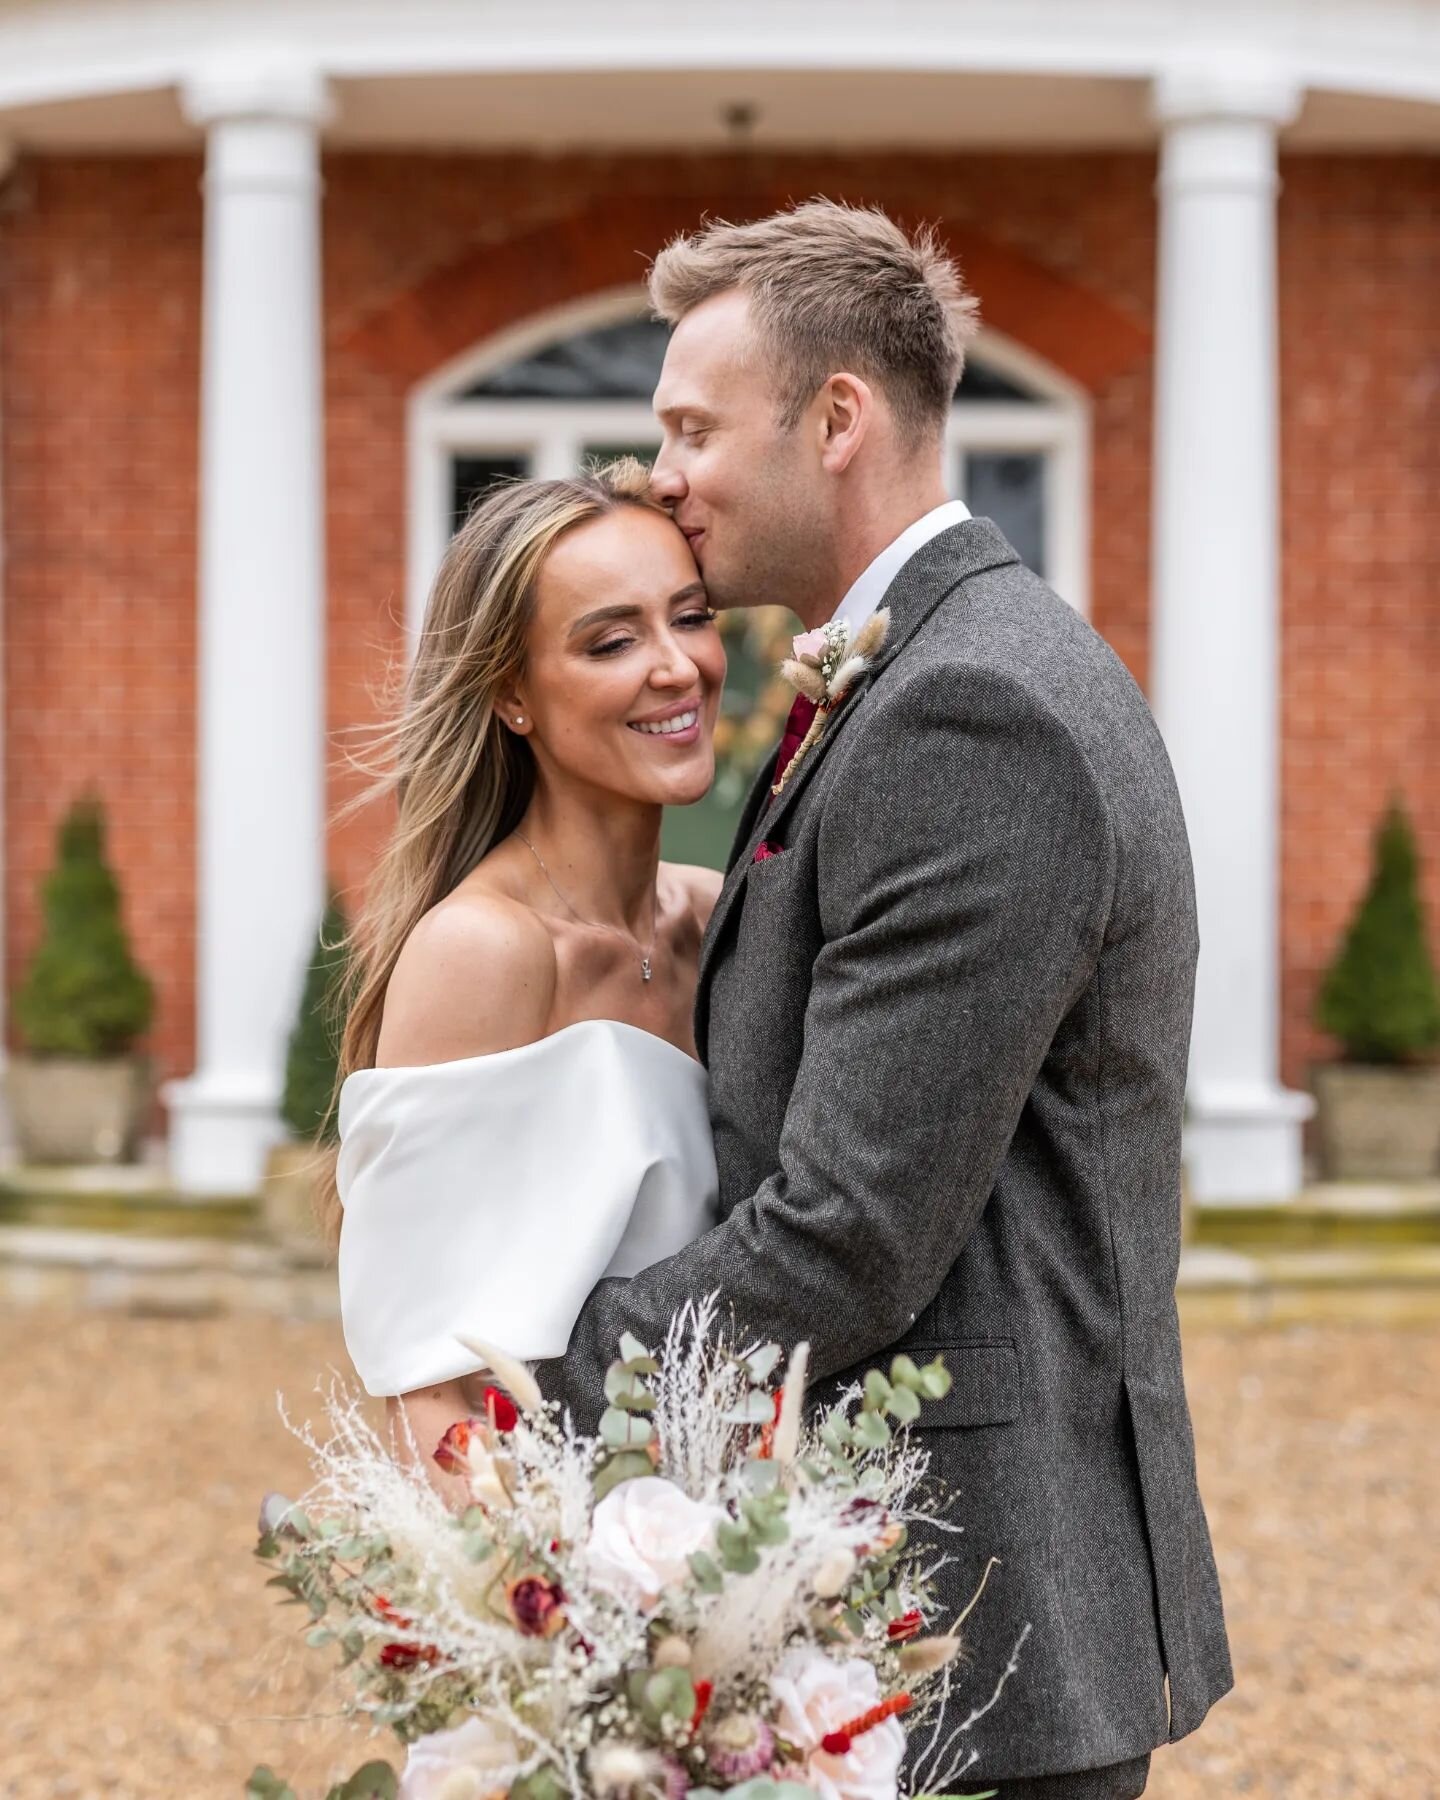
x=613, y=362
x=600, y=453
x=471, y=477
x=1009, y=488
x=981, y=383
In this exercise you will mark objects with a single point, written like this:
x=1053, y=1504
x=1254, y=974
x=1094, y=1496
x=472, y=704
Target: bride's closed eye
x=696, y=619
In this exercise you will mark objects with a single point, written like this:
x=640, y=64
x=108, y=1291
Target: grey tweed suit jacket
x=946, y=1032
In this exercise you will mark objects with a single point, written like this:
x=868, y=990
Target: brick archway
x=495, y=286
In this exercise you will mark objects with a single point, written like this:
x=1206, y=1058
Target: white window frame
x=553, y=433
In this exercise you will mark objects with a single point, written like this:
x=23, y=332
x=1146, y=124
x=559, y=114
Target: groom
x=944, y=997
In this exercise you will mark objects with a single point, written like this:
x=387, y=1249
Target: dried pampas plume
x=805, y=680
x=792, y=1406
x=508, y=1371
x=872, y=633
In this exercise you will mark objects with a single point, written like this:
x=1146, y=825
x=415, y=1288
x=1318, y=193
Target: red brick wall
x=1360, y=436
x=99, y=347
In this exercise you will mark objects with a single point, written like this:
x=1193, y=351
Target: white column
x=1216, y=588
x=261, y=609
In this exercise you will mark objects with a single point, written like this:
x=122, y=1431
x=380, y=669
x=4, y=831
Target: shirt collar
x=869, y=588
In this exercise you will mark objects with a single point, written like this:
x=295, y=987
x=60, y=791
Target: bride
x=521, y=1110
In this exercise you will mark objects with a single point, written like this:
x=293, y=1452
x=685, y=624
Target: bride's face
x=624, y=664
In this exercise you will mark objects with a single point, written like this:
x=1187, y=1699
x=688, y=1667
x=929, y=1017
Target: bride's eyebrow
x=608, y=615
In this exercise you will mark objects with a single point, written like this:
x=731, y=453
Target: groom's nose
x=667, y=484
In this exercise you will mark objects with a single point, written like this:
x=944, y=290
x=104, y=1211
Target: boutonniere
x=823, y=666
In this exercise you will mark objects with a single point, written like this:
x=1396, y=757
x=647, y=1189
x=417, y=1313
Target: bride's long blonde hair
x=460, y=779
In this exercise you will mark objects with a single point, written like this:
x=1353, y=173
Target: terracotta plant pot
x=1378, y=1123
x=70, y=1109
x=289, y=1193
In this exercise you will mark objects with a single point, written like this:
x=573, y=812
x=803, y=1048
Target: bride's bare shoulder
x=701, y=887
x=476, y=975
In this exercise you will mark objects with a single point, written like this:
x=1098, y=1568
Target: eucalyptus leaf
x=903, y=1373
x=706, y=1572
x=877, y=1391
x=871, y=1431
x=935, y=1379
x=318, y=1636
x=760, y=1787
x=623, y=1430
x=761, y=1365
x=670, y=1691
x=540, y=1784
x=904, y=1404
x=837, y=1437
x=376, y=1781
x=265, y=1784
x=762, y=1474
x=736, y=1550
x=624, y=1465
x=756, y=1408
x=631, y=1349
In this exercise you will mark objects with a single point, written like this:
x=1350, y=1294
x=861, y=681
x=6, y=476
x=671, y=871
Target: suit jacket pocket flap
x=984, y=1384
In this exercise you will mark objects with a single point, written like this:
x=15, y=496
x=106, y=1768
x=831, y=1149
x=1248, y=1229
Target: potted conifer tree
x=78, y=1092
x=294, y=1168
x=1379, y=1106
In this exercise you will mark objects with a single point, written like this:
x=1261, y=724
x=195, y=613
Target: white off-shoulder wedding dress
x=488, y=1196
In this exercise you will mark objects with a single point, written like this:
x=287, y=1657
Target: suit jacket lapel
x=930, y=577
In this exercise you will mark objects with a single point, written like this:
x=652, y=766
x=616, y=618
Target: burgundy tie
x=802, y=717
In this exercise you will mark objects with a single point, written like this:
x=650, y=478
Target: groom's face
x=749, y=495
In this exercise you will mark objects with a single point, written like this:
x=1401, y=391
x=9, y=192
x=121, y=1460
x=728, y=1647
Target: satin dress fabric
x=488, y=1195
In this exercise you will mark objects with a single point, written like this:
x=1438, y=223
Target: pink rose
x=642, y=1536
x=809, y=644
x=816, y=1695
x=469, y=1761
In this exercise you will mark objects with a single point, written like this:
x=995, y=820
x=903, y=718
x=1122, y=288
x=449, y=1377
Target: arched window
x=576, y=385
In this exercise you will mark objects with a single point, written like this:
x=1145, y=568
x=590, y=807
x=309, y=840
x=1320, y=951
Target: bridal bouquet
x=712, y=1597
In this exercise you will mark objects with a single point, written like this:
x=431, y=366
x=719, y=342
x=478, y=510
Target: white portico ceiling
x=557, y=74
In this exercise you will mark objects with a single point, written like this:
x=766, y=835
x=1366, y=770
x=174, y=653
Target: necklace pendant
x=645, y=969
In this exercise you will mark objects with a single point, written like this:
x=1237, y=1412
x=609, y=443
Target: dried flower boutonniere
x=823, y=667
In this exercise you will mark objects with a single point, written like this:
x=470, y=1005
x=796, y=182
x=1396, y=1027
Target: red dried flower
x=453, y=1451
x=536, y=1605
x=407, y=1656
x=704, y=1694
x=500, y=1409
x=906, y=1626
x=837, y=1743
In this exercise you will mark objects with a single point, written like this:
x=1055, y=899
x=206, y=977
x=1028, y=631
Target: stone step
x=131, y=1199
x=73, y=1268
x=1327, y=1215
x=1354, y=1285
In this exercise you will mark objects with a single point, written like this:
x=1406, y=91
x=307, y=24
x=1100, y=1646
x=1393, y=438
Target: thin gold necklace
x=595, y=925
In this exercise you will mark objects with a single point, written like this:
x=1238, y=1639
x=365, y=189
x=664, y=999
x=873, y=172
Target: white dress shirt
x=869, y=588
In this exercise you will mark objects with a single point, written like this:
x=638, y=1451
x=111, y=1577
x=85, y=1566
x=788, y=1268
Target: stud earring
x=519, y=718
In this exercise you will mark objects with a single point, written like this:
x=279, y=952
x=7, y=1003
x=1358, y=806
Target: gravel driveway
x=139, y=1646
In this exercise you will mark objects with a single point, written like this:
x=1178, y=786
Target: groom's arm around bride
x=945, y=1020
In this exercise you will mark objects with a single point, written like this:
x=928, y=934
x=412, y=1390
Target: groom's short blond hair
x=831, y=288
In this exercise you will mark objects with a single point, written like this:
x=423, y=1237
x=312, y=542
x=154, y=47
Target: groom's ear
x=846, y=414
